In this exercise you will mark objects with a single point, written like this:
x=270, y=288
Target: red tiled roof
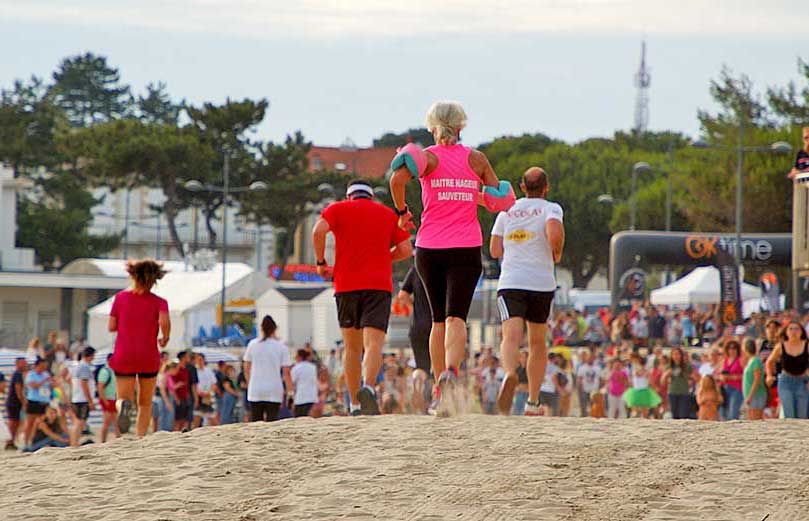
x=362, y=162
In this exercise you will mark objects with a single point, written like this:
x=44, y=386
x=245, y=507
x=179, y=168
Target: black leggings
x=450, y=277
x=420, y=343
x=264, y=411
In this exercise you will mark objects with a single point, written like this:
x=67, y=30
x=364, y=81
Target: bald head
x=535, y=182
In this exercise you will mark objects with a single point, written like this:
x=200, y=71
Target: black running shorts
x=82, y=410
x=363, y=308
x=533, y=306
x=450, y=277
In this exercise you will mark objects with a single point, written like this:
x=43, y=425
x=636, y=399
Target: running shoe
x=532, y=409
x=443, y=394
x=368, y=404
x=505, y=398
x=124, y=421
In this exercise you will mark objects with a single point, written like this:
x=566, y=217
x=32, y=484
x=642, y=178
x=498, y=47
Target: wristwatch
x=401, y=212
x=322, y=262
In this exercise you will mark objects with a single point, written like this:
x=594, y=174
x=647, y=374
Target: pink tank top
x=450, y=198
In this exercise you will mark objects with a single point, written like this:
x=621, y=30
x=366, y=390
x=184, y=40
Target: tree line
x=85, y=128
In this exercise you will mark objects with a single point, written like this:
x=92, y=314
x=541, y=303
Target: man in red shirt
x=367, y=241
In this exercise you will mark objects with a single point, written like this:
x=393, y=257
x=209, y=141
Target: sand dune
x=471, y=467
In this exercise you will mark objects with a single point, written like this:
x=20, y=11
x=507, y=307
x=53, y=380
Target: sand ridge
x=471, y=467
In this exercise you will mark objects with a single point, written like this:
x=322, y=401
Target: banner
x=731, y=300
x=770, y=291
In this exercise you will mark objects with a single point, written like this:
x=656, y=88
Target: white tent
x=304, y=313
x=193, y=298
x=701, y=286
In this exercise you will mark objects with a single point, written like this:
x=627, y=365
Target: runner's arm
x=164, y=322
x=555, y=233
x=403, y=250
x=496, y=246
x=112, y=325
x=319, y=233
x=247, y=367
x=398, y=182
x=479, y=163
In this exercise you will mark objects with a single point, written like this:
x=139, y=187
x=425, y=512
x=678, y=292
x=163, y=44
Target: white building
x=148, y=235
x=11, y=258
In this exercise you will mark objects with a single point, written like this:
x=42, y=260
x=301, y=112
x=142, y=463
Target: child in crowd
x=709, y=399
x=617, y=384
x=640, y=398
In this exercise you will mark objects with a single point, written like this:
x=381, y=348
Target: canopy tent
x=193, y=298
x=701, y=286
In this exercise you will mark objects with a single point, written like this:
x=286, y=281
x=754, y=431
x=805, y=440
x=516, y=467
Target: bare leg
x=437, y=357
x=510, y=346
x=146, y=387
x=373, y=340
x=352, y=355
x=455, y=343
x=537, y=359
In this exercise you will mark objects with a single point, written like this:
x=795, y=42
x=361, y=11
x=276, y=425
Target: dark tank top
x=795, y=365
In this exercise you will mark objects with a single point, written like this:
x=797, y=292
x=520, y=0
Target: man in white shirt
x=587, y=381
x=83, y=387
x=529, y=238
x=205, y=392
x=304, y=379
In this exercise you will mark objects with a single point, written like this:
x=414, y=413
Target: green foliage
x=413, y=135
x=293, y=192
x=55, y=224
x=156, y=106
x=89, y=91
x=28, y=124
x=225, y=129
x=130, y=152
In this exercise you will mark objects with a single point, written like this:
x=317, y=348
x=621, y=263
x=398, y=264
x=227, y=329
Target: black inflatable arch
x=631, y=251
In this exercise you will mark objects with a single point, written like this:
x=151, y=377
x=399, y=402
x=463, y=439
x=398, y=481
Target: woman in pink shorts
x=137, y=316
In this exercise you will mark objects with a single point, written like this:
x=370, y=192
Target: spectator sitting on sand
x=50, y=431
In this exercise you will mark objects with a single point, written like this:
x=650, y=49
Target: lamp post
x=779, y=147
x=196, y=186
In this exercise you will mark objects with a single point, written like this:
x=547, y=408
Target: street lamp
x=641, y=167
x=605, y=199
x=194, y=185
x=779, y=147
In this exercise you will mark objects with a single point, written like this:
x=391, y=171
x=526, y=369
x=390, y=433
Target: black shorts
x=182, y=410
x=450, y=277
x=264, y=411
x=35, y=408
x=13, y=410
x=132, y=375
x=82, y=411
x=363, y=308
x=533, y=306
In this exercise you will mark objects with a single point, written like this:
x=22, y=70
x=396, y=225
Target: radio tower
x=642, y=81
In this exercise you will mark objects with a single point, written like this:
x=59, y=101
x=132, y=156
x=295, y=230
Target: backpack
x=96, y=375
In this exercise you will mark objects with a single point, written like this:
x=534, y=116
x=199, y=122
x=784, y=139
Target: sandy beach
x=472, y=467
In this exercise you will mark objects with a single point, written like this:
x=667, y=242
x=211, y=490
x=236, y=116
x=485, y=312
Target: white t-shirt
x=267, y=357
x=527, y=256
x=82, y=371
x=587, y=374
x=547, y=384
x=207, y=379
x=304, y=378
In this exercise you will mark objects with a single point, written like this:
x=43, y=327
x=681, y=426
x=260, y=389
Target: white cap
x=360, y=187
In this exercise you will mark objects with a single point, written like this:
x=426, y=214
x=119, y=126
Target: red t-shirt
x=364, y=232
x=181, y=382
x=136, y=344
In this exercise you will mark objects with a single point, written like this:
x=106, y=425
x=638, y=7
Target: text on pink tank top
x=450, y=198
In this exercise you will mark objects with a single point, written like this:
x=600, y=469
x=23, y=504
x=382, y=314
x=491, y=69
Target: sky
x=355, y=69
